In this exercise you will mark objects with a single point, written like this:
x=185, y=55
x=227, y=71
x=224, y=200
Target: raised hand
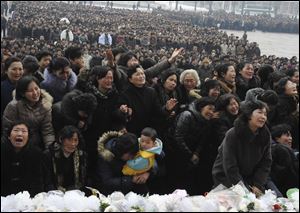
x=175, y=54
x=171, y=104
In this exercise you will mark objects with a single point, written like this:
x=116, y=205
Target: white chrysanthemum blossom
x=23, y=201
x=112, y=209
x=92, y=203
x=117, y=199
x=74, y=201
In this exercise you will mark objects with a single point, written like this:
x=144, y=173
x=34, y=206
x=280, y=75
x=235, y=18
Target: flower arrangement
x=236, y=198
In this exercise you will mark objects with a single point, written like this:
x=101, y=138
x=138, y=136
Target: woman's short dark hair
x=149, y=132
x=275, y=77
x=127, y=143
x=100, y=71
x=224, y=100
x=280, y=86
x=167, y=73
x=22, y=86
x=279, y=130
x=58, y=63
x=264, y=72
x=125, y=57
x=204, y=101
x=248, y=107
x=18, y=122
x=9, y=61
x=67, y=132
x=208, y=85
x=241, y=65
x=291, y=72
x=222, y=70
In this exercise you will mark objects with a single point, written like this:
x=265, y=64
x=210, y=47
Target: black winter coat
x=243, y=156
x=285, y=168
x=63, y=170
x=223, y=124
x=286, y=113
x=191, y=134
x=65, y=112
x=23, y=171
x=242, y=86
x=144, y=104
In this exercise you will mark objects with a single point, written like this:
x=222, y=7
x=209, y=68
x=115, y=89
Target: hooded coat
x=144, y=160
x=39, y=117
x=109, y=176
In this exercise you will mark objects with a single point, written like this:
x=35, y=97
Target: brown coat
x=39, y=117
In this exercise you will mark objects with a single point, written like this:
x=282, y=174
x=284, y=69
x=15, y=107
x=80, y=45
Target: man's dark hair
x=42, y=54
x=72, y=53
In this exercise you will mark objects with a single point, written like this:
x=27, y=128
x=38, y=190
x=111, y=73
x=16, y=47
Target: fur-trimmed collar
x=46, y=98
x=105, y=153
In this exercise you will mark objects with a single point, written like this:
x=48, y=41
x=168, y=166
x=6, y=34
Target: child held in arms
x=149, y=147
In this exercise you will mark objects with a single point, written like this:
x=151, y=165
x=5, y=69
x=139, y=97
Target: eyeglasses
x=24, y=131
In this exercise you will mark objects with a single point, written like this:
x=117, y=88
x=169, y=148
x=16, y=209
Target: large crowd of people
x=150, y=102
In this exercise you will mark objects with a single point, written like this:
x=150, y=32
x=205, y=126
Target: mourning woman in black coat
x=188, y=155
x=140, y=103
x=285, y=165
x=286, y=109
x=23, y=165
x=245, y=153
x=67, y=160
x=228, y=106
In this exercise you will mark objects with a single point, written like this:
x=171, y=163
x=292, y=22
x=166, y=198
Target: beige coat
x=39, y=118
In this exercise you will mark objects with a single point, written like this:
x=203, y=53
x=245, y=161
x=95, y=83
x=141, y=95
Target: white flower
x=8, y=204
x=92, y=203
x=239, y=189
x=23, y=201
x=112, y=209
x=116, y=196
x=74, y=200
x=158, y=201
